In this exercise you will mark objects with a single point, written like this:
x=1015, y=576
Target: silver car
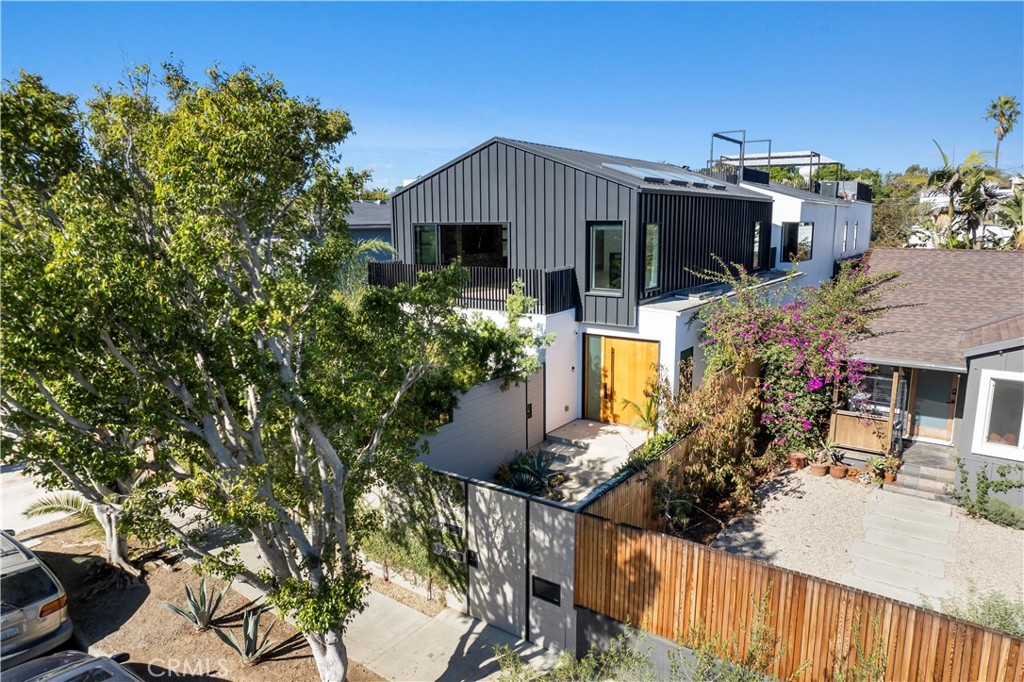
x=34, y=613
x=72, y=666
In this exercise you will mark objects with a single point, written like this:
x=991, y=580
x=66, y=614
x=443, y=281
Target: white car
x=34, y=612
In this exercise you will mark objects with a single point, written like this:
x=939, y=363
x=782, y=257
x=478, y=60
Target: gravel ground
x=806, y=523
x=809, y=524
x=990, y=557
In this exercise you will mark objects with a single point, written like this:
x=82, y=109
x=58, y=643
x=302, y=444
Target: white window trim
x=846, y=231
x=981, y=445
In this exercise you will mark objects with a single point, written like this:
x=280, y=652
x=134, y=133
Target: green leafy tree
x=1011, y=214
x=374, y=194
x=1005, y=111
x=787, y=175
x=172, y=316
x=898, y=209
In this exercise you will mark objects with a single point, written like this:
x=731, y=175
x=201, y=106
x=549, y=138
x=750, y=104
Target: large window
x=652, y=249
x=997, y=427
x=846, y=233
x=484, y=246
x=756, y=263
x=797, y=241
x=606, y=257
x=856, y=227
x=426, y=245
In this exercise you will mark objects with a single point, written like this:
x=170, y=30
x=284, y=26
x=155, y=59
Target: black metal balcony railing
x=489, y=288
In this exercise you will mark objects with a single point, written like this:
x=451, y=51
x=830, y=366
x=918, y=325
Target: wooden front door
x=933, y=404
x=617, y=371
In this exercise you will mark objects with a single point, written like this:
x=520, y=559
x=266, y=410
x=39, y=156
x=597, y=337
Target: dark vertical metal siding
x=694, y=229
x=547, y=206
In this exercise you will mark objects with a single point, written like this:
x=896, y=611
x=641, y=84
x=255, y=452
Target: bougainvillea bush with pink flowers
x=802, y=339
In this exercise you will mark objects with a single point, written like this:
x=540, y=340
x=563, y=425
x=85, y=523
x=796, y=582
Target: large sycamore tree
x=180, y=347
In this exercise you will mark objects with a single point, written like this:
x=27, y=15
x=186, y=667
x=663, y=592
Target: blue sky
x=870, y=83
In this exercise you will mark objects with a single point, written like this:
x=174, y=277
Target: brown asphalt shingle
x=948, y=301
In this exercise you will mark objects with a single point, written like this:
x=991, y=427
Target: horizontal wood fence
x=668, y=585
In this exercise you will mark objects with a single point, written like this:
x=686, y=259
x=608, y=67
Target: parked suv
x=34, y=613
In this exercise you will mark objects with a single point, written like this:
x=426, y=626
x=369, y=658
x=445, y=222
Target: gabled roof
x=369, y=214
x=797, y=193
x=595, y=164
x=945, y=303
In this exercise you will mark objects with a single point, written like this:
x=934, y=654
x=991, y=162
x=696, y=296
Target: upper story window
x=652, y=251
x=426, y=245
x=997, y=426
x=797, y=242
x=856, y=228
x=606, y=257
x=756, y=263
x=846, y=230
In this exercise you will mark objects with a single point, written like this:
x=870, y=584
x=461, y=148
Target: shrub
x=992, y=610
x=1003, y=513
x=531, y=473
x=201, y=607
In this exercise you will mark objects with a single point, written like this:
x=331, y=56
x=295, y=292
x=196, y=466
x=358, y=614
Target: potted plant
x=876, y=465
x=819, y=467
x=797, y=460
x=837, y=468
x=890, y=465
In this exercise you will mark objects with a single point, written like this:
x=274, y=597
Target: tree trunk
x=330, y=655
x=998, y=140
x=116, y=544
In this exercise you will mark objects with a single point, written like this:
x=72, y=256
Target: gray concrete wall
x=496, y=533
x=1011, y=361
x=595, y=631
x=552, y=558
x=488, y=427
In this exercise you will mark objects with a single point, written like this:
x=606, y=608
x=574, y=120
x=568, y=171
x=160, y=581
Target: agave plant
x=253, y=645
x=201, y=607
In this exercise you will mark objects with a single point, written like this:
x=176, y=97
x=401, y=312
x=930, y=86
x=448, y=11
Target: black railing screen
x=489, y=288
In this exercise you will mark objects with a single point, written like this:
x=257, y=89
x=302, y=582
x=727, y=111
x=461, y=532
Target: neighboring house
x=609, y=246
x=950, y=367
x=370, y=220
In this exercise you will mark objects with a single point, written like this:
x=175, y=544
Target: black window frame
x=756, y=262
x=647, y=286
x=787, y=252
x=591, y=260
x=419, y=229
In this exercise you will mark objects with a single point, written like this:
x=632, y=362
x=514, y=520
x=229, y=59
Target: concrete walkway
x=405, y=645
x=906, y=549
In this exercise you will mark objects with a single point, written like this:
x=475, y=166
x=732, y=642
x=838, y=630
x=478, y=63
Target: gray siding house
x=950, y=368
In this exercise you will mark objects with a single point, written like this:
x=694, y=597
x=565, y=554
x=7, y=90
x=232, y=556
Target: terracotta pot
x=890, y=476
x=818, y=469
x=838, y=470
x=797, y=460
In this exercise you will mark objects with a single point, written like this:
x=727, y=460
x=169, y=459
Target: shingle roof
x=946, y=302
x=369, y=214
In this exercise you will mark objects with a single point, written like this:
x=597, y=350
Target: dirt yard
x=161, y=644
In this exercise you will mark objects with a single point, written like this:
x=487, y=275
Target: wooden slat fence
x=668, y=585
x=632, y=501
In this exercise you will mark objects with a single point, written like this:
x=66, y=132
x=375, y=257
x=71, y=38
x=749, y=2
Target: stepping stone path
x=904, y=554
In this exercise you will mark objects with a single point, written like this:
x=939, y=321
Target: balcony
x=489, y=288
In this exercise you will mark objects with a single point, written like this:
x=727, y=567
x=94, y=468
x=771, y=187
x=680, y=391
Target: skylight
x=680, y=178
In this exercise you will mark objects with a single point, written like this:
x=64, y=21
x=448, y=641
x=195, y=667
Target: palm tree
x=949, y=180
x=979, y=199
x=1005, y=112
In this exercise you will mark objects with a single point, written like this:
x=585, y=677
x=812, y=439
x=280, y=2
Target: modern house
x=950, y=367
x=819, y=228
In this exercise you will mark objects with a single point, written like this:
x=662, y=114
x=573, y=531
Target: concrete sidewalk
x=405, y=645
x=400, y=643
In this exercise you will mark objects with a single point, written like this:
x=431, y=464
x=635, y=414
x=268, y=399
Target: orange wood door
x=626, y=365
